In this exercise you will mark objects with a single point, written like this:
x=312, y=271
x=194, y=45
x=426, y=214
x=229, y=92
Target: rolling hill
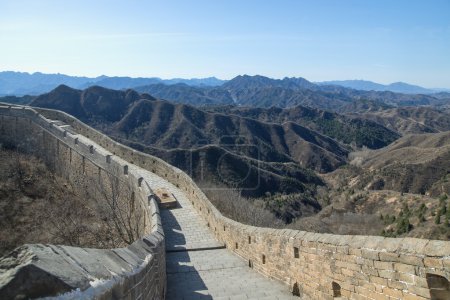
x=408, y=120
x=415, y=163
x=137, y=117
x=349, y=130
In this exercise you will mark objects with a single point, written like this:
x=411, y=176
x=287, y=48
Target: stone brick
x=347, y=286
x=423, y=271
x=345, y=293
x=362, y=276
x=364, y=261
x=388, y=274
x=345, y=257
x=420, y=282
x=343, y=249
x=413, y=245
x=408, y=278
x=433, y=262
x=396, y=284
x=437, y=248
x=378, y=287
x=325, y=296
x=373, y=242
x=378, y=280
x=446, y=262
x=383, y=265
x=347, y=272
x=327, y=248
x=370, y=254
x=356, y=252
x=411, y=260
x=369, y=286
x=354, y=267
x=338, y=277
x=358, y=296
x=390, y=245
x=404, y=268
x=369, y=270
x=388, y=256
x=420, y=291
x=408, y=296
x=360, y=290
x=378, y=296
x=393, y=292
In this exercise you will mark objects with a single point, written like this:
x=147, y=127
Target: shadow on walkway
x=183, y=279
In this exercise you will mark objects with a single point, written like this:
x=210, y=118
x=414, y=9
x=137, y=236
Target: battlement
x=322, y=266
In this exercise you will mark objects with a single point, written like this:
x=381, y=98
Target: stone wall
x=322, y=266
x=137, y=271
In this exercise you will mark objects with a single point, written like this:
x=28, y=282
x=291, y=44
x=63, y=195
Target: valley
x=323, y=159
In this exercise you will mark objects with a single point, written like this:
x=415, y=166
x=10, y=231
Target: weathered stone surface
x=437, y=248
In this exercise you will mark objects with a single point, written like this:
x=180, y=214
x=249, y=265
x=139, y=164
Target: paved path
x=212, y=272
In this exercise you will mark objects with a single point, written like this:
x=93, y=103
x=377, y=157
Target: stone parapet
x=136, y=271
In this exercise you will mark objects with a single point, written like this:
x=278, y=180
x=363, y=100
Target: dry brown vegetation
x=231, y=203
x=382, y=212
x=345, y=210
x=407, y=120
x=37, y=206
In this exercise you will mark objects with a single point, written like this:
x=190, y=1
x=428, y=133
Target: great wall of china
x=310, y=265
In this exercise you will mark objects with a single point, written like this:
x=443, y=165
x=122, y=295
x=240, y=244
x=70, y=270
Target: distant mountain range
x=260, y=91
x=396, y=87
x=21, y=83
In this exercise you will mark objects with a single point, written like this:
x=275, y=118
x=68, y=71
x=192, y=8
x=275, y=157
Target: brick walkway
x=198, y=266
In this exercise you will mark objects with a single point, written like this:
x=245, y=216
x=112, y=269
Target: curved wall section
x=322, y=266
x=136, y=271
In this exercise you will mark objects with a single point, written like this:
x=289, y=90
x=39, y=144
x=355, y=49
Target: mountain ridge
x=22, y=83
x=260, y=91
x=397, y=87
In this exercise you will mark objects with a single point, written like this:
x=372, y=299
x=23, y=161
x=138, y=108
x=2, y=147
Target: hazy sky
x=383, y=41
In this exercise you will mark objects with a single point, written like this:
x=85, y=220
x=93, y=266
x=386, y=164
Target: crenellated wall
x=45, y=270
x=322, y=266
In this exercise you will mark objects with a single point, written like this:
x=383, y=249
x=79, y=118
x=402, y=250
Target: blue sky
x=383, y=41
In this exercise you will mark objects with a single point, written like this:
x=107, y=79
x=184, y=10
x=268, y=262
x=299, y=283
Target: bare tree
x=357, y=158
x=231, y=203
x=118, y=207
